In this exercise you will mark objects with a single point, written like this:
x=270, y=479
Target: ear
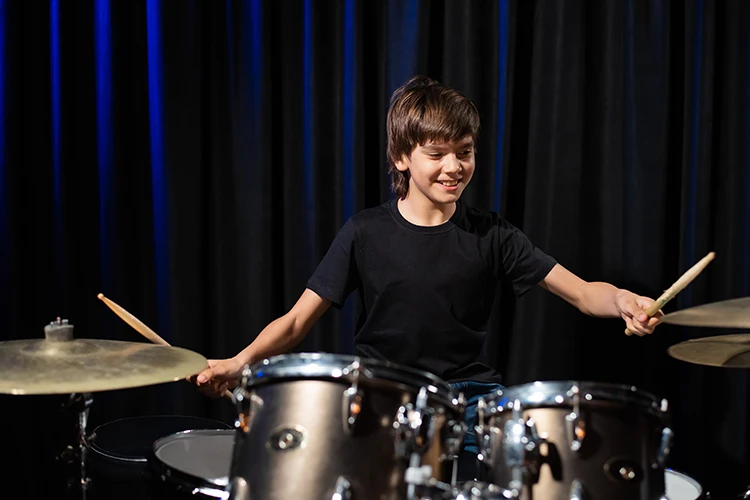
x=403, y=164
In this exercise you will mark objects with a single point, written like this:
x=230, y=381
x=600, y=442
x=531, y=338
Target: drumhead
x=129, y=440
x=561, y=393
x=324, y=366
x=203, y=455
x=680, y=486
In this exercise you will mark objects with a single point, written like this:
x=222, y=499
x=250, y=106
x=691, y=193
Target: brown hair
x=423, y=110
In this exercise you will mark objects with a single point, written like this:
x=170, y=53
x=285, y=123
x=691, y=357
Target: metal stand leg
x=81, y=403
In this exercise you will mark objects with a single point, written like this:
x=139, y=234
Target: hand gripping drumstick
x=141, y=328
x=678, y=286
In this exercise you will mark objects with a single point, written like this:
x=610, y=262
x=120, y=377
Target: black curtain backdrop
x=193, y=161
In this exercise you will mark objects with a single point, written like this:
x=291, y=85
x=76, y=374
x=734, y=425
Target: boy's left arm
x=602, y=299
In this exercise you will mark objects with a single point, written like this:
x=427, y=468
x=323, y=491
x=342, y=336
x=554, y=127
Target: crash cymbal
x=734, y=313
x=69, y=366
x=729, y=351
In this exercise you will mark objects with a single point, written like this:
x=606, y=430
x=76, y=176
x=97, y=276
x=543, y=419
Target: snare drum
x=192, y=464
x=575, y=440
x=118, y=453
x=319, y=425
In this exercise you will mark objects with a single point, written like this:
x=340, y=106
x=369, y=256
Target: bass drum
x=117, y=458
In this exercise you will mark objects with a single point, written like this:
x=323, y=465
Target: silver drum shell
x=623, y=436
x=293, y=440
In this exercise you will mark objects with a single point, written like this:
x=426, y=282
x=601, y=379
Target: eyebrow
x=467, y=144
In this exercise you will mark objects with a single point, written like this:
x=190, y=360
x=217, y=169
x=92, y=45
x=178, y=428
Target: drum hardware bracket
x=456, y=429
x=343, y=489
x=288, y=438
x=246, y=409
x=665, y=446
x=455, y=433
x=521, y=443
x=352, y=398
x=576, y=490
x=239, y=489
x=417, y=475
x=414, y=426
x=484, y=432
x=623, y=469
x=356, y=369
x=576, y=425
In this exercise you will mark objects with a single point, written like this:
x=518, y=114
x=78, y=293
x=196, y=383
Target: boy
x=427, y=265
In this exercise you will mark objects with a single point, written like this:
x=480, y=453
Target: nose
x=452, y=164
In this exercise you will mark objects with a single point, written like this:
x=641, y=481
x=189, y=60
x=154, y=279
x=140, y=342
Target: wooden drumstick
x=140, y=327
x=678, y=286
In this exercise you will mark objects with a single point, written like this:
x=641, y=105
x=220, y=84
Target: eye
x=435, y=155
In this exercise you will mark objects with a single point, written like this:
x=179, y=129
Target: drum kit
x=315, y=425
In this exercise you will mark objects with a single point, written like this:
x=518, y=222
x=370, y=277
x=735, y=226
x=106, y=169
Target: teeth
x=448, y=183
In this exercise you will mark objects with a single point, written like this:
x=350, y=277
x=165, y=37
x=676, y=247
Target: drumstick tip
x=100, y=296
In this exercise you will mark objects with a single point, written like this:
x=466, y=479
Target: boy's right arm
x=278, y=337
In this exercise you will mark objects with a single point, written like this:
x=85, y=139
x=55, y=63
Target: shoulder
x=372, y=216
x=483, y=221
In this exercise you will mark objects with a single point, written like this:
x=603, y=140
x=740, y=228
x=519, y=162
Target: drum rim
x=94, y=445
x=547, y=393
x=487, y=489
x=686, y=477
x=183, y=476
x=328, y=366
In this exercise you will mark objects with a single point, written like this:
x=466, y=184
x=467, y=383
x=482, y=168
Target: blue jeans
x=472, y=392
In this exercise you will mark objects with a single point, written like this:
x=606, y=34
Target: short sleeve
x=337, y=275
x=520, y=260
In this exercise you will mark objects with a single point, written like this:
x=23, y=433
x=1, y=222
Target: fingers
x=217, y=369
x=641, y=328
x=635, y=327
x=204, y=376
x=210, y=386
x=634, y=313
x=213, y=389
x=216, y=379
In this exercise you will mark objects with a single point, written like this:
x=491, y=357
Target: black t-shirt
x=427, y=292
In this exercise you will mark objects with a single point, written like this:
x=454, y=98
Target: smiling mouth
x=449, y=183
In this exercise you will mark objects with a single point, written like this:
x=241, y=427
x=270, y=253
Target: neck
x=425, y=213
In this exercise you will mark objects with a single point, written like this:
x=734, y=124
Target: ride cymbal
x=59, y=364
x=734, y=313
x=728, y=351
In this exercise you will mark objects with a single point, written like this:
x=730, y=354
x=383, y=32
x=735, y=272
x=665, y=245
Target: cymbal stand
x=81, y=402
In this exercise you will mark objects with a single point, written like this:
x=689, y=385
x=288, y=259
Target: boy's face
x=439, y=171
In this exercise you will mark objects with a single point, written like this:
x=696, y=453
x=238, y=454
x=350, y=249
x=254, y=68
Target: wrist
x=622, y=297
x=242, y=359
